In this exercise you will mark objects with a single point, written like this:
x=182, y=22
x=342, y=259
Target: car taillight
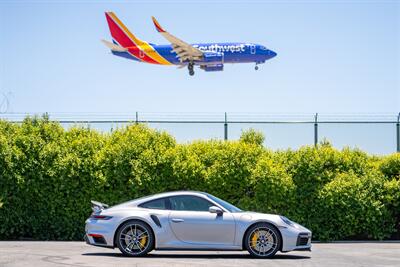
x=100, y=217
x=95, y=235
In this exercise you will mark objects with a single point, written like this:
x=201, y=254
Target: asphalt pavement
x=44, y=254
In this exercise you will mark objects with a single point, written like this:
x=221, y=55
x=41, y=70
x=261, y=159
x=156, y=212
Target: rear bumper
x=86, y=239
x=96, y=241
x=99, y=233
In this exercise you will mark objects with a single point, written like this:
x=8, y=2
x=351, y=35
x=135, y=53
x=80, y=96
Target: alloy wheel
x=135, y=239
x=263, y=241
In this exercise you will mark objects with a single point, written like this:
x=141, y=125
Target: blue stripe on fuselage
x=233, y=52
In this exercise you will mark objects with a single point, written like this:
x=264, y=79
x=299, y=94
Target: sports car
x=189, y=220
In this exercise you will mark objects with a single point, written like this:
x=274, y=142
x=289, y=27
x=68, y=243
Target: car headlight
x=287, y=221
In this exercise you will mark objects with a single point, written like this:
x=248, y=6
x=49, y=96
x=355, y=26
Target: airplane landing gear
x=256, y=67
x=190, y=68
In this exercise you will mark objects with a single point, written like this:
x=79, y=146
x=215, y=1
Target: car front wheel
x=263, y=240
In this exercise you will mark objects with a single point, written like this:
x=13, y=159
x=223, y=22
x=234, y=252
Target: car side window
x=189, y=203
x=160, y=204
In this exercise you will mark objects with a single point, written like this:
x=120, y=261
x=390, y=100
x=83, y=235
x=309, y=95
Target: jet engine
x=213, y=58
x=217, y=67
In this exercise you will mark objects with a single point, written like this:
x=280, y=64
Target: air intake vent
x=302, y=239
x=155, y=220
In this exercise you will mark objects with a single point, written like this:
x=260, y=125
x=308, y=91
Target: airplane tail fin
x=120, y=33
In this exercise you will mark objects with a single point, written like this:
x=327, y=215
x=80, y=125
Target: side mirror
x=215, y=209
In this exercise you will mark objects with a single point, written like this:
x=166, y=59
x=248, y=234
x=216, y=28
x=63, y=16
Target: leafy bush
x=252, y=136
x=48, y=175
x=351, y=206
x=390, y=166
x=272, y=188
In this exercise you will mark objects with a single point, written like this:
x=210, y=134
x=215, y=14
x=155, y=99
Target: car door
x=191, y=222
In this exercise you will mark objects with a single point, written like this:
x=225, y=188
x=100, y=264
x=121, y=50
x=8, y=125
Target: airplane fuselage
x=226, y=53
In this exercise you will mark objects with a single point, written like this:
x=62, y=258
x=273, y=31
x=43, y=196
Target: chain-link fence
x=374, y=133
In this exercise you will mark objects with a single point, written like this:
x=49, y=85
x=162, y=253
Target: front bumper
x=296, y=238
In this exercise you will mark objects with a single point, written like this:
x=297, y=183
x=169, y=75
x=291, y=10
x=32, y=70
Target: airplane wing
x=184, y=50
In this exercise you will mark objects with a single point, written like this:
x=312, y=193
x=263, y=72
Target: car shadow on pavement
x=200, y=256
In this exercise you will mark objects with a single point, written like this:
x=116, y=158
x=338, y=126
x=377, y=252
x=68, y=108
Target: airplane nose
x=272, y=54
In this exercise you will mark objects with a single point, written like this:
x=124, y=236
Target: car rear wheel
x=135, y=238
x=263, y=240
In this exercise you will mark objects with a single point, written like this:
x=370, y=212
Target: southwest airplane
x=209, y=56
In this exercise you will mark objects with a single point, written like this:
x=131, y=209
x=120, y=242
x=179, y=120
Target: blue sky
x=333, y=57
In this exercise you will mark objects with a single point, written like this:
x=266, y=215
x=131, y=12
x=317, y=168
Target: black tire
x=129, y=238
x=268, y=241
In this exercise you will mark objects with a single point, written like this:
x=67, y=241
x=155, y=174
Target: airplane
x=208, y=56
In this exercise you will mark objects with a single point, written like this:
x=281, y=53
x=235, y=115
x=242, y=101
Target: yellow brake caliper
x=254, y=240
x=143, y=241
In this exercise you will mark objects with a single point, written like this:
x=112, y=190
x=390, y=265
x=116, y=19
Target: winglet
x=158, y=26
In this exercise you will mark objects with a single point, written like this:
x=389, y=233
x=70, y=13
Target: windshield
x=224, y=204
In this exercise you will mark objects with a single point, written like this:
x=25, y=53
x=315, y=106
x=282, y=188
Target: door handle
x=177, y=220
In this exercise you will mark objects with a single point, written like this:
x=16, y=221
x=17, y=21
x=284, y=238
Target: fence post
x=398, y=132
x=226, y=128
x=137, y=118
x=316, y=129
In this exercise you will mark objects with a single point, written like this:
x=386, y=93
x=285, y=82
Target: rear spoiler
x=98, y=206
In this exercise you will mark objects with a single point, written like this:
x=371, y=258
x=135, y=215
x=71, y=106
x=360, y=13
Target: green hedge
x=48, y=175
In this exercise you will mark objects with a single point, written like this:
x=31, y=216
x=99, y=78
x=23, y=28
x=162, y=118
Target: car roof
x=141, y=200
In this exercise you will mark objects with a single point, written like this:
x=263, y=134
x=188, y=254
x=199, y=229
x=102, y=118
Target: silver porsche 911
x=188, y=220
